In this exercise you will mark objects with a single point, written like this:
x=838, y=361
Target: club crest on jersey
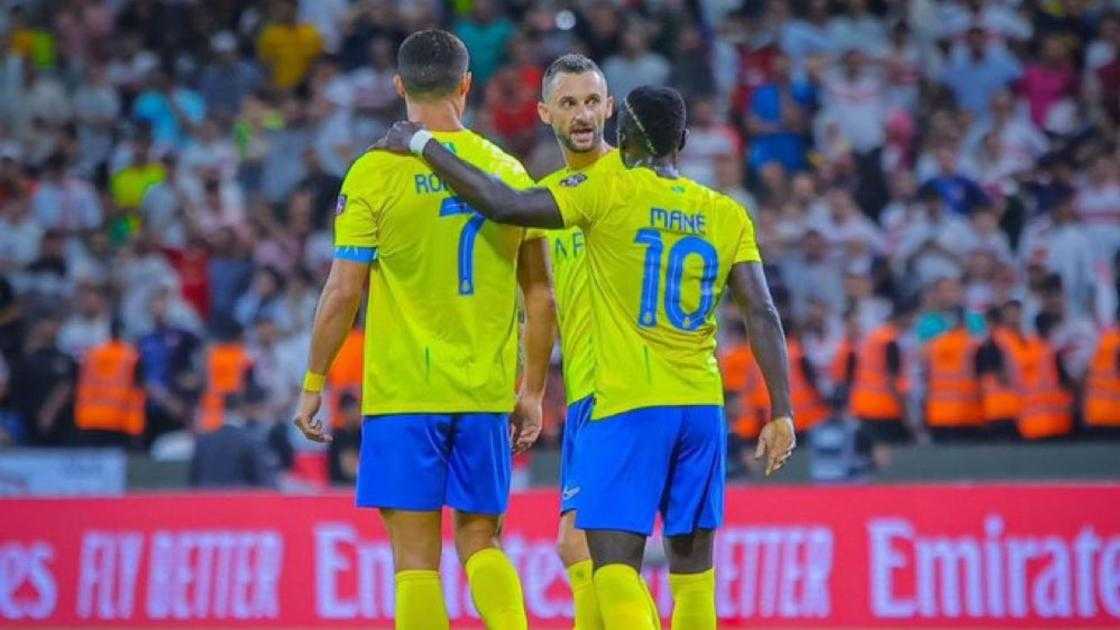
x=340, y=205
x=573, y=180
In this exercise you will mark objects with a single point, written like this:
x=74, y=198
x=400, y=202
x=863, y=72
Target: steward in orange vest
x=109, y=407
x=880, y=384
x=1047, y=402
x=346, y=374
x=1102, y=384
x=999, y=366
x=227, y=372
x=953, y=408
x=746, y=391
x=842, y=368
x=808, y=405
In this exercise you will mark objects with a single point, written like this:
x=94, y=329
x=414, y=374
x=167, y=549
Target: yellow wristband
x=313, y=382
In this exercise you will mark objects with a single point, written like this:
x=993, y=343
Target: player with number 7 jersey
x=442, y=320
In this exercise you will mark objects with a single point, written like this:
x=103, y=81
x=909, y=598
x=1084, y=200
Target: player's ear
x=465, y=84
x=545, y=115
x=684, y=139
x=610, y=106
x=398, y=84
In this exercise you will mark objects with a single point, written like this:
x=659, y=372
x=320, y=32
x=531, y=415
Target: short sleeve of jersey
x=358, y=209
x=581, y=197
x=746, y=250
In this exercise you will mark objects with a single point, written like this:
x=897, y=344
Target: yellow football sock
x=587, y=616
x=654, y=613
x=694, y=600
x=622, y=599
x=496, y=590
x=420, y=601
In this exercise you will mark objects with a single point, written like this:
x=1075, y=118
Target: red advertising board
x=886, y=556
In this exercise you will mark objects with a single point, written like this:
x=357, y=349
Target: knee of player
x=472, y=541
x=690, y=553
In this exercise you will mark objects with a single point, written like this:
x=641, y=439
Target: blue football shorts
x=579, y=414
x=669, y=460
x=423, y=462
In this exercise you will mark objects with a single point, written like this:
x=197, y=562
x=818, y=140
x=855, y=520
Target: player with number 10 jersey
x=659, y=251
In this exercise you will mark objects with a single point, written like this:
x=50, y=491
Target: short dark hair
x=659, y=114
x=432, y=63
x=571, y=63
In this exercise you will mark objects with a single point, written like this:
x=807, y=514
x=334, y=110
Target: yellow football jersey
x=567, y=251
x=441, y=325
x=659, y=252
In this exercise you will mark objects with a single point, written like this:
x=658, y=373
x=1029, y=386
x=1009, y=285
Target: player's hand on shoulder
x=305, y=420
x=776, y=442
x=396, y=139
x=525, y=422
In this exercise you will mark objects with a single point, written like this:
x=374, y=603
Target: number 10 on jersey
x=654, y=269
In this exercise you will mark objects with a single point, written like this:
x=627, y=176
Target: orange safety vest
x=873, y=397
x=345, y=375
x=742, y=376
x=808, y=408
x=226, y=367
x=1102, y=383
x=953, y=392
x=1002, y=398
x=838, y=367
x=1047, y=406
x=108, y=397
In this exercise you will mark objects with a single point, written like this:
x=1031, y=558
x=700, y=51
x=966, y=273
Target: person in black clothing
x=234, y=455
x=11, y=322
x=42, y=383
x=342, y=454
x=901, y=429
x=167, y=355
x=272, y=431
x=991, y=362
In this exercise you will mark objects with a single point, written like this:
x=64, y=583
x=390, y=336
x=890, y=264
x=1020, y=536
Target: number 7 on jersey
x=455, y=206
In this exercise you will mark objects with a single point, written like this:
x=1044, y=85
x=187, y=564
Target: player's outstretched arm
x=534, y=207
x=338, y=305
x=540, y=327
x=768, y=344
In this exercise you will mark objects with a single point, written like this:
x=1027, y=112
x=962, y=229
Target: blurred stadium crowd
x=935, y=185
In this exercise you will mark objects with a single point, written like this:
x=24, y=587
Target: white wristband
x=419, y=141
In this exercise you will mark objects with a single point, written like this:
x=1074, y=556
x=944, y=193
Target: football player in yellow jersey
x=661, y=249
x=441, y=352
x=576, y=104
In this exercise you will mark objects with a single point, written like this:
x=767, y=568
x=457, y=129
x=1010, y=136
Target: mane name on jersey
x=677, y=221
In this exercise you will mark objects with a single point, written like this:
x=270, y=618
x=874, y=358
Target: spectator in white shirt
x=20, y=233
x=708, y=140
x=854, y=102
x=729, y=181
x=211, y=152
x=65, y=202
x=89, y=326
x=1097, y=204
x=812, y=272
x=1062, y=245
x=858, y=28
x=844, y=226
x=635, y=65
x=933, y=246
x=1020, y=140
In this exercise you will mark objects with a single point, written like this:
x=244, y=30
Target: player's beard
x=565, y=138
